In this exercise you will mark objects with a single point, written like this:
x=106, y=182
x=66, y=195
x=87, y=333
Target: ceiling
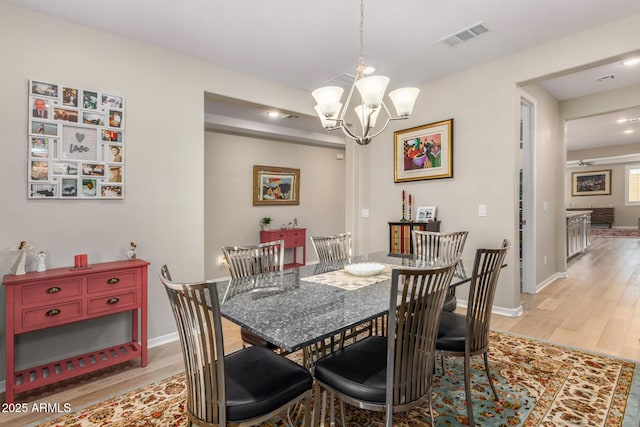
x=307, y=43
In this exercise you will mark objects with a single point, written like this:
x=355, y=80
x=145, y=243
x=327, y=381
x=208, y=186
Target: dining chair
x=261, y=259
x=334, y=248
x=392, y=373
x=467, y=335
x=435, y=247
x=243, y=388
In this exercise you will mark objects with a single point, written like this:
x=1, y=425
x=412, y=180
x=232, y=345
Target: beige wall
x=228, y=186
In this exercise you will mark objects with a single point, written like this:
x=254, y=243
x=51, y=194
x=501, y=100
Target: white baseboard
x=549, y=280
x=502, y=311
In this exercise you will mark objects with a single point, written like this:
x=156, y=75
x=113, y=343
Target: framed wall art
x=276, y=186
x=592, y=183
x=76, y=143
x=426, y=214
x=424, y=152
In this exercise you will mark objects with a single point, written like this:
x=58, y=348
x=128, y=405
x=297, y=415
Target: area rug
x=615, y=232
x=540, y=384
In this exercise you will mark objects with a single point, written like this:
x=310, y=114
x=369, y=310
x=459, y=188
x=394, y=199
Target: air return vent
x=465, y=35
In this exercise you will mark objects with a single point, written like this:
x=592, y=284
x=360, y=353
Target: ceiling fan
x=582, y=163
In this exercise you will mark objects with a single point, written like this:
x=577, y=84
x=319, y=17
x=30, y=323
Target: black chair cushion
x=358, y=370
x=451, y=332
x=259, y=381
x=450, y=302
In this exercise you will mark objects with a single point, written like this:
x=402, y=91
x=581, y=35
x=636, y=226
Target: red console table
x=36, y=301
x=294, y=238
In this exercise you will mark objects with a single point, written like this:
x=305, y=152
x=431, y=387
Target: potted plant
x=265, y=222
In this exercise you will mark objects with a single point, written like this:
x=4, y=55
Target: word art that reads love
x=79, y=143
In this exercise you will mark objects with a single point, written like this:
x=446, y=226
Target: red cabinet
x=36, y=301
x=294, y=238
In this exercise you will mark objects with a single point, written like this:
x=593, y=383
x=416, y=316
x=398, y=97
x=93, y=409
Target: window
x=632, y=185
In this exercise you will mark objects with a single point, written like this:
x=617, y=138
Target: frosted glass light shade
x=328, y=99
x=374, y=115
x=326, y=121
x=404, y=99
x=372, y=89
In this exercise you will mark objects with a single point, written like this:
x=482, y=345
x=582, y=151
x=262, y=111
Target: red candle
x=409, y=198
x=403, y=195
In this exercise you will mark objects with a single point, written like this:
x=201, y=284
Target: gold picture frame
x=424, y=152
x=273, y=185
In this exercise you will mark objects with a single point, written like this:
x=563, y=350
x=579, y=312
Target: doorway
x=526, y=198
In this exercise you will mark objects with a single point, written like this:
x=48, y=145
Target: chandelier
x=371, y=90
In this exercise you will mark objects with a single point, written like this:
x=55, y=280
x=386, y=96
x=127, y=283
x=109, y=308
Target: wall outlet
x=545, y=260
x=482, y=210
x=364, y=213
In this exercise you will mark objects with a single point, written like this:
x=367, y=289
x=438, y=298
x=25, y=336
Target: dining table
x=299, y=307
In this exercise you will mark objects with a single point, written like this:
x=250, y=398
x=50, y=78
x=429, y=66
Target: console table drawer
x=111, y=281
x=112, y=303
x=50, y=291
x=50, y=315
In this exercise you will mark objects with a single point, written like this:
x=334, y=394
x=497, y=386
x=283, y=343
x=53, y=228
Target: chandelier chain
x=361, y=59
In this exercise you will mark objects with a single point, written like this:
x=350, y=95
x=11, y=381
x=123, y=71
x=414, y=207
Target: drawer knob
x=111, y=301
x=113, y=280
x=52, y=312
x=53, y=290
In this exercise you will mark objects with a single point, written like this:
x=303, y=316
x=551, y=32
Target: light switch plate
x=482, y=210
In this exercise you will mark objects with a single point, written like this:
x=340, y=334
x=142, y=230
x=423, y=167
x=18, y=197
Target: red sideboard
x=294, y=238
x=37, y=301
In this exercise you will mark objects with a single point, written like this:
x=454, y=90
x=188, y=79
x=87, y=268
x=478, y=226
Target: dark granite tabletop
x=292, y=312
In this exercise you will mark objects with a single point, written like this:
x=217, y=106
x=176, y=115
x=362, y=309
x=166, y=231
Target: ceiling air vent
x=607, y=77
x=465, y=35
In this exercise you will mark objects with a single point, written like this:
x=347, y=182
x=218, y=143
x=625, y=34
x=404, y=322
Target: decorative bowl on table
x=364, y=268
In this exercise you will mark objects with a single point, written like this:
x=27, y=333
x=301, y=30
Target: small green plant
x=266, y=220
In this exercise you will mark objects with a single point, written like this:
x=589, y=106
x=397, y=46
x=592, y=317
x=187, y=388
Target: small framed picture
x=69, y=187
x=115, y=153
x=89, y=100
x=44, y=189
x=44, y=89
x=111, y=191
x=108, y=135
x=276, y=185
x=65, y=115
x=592, y=183
x=89, y=188
x=44, y=128
x=115, y=173
x=426, y=214
x=40, y=147
x=65, y=168
x=70, y=97
x=39, y=170
x=40, y=108
x=112, y=101
x=92, y=169
x=91, y=118
x=115, y=118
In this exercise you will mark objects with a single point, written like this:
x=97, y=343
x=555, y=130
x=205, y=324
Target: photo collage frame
x=76, y=143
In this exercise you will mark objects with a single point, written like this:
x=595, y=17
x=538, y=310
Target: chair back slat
x=245, y=261
x=486, y=270
x=331, y=249
x=435, y=248
x=419, y=294
x=197, y=314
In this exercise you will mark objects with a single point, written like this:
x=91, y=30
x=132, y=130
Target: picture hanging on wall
x=76, y=142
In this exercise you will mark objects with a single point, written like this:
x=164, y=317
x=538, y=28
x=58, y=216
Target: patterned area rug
x=614, y=232
x=540, y=384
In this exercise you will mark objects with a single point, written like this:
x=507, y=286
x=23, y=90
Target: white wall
x=230, y=217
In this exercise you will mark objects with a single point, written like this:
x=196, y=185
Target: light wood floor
x=596, y=308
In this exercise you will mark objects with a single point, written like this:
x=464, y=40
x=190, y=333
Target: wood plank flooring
x=596, y=308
